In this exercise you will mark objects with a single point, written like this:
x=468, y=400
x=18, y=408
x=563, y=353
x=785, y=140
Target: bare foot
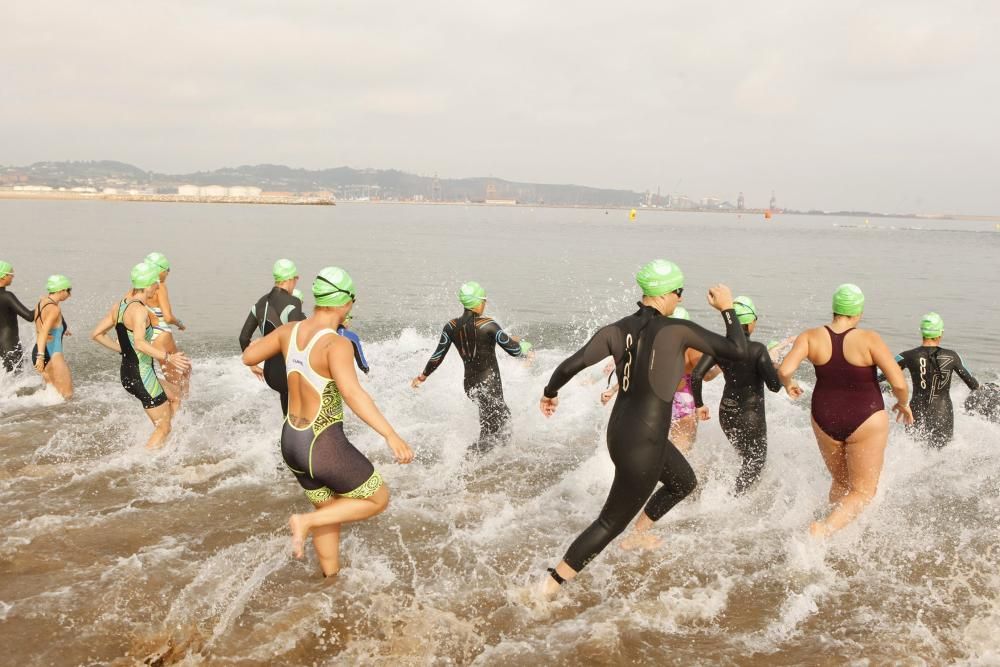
x=549, y=587
x=641, y=540
x=818, y=530
x=299, y=532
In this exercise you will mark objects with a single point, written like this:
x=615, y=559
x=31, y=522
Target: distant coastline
x=56, y=195
x=289, y=200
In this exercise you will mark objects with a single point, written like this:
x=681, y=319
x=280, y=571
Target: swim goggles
x=336, y=290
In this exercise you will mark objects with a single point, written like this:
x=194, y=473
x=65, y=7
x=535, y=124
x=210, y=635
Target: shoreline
x=12, y=195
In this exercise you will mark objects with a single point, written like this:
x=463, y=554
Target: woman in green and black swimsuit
x=130, y=320
x=340, y=481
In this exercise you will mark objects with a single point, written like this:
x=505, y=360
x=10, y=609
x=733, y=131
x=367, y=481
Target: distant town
x=278, y=184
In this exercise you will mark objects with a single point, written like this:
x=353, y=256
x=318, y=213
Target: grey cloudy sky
x=879, y=105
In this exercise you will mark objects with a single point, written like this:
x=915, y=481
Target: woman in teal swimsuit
x=340, y=481
x=134, y=332
x=50, y=327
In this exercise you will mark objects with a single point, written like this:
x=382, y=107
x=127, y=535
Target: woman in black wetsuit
x=931, y=367
x=741, y=411
x=648, y=349
x=10, y=309
x=476, y=338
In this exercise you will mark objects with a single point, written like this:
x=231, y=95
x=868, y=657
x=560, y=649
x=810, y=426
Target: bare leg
x=160, y=416
x=57, y=374
x=335, y=511
x=326, y=542
x=550, y=586
x=865, y=453
x=834, y=455
x=173, y=382
x=683, y=432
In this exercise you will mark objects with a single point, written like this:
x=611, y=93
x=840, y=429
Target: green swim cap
x=471, y=294
x=931, y=326
x=659, y=277
x=5, y=268
x=746, y=312
x=525, y=347
x=57, y=283
x=333, y=287
x=681, y=313
x=159, y=260
x=297, y=293
x=848, y=300
x=284, y=269
x=144, y=275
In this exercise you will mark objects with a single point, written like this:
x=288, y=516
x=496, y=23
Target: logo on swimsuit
x=627, y=371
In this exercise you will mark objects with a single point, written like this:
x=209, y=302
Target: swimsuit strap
x=38, y=310
x=298, y=359
x=837, y=344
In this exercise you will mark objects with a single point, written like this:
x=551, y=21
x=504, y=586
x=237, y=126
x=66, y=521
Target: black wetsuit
x=275, y=308
x=930, y=369
x=649, y=361
x=475, y=337
x=10, y=342
x=741, y=411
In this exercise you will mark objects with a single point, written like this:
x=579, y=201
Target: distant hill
x=344, y=181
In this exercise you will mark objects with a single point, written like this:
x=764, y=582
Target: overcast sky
x=873, y=104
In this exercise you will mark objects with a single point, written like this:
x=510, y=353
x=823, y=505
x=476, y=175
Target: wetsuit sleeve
x=504, y=339
x=296, y=314
x=442, y=349
x=766, y=370
x=359, y=353
x=248, y=328
x=22, y=311
x=963, y=372
x=733, y=346
x=703, y=366
x=606, y=342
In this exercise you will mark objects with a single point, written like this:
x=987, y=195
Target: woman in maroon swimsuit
x=848, y=413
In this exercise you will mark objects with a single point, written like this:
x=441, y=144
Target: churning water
x=112, y=554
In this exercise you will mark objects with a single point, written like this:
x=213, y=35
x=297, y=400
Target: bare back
x=303, y=398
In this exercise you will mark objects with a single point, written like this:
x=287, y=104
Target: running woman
x=277, y=307
x=338, y=480
x=475, y=337
x=50, y=327
x=931, y=367
x=177, y=383
x=648, y=350
x=130, y=318
x=741, y=411
x=848, y=413
x=11, y=308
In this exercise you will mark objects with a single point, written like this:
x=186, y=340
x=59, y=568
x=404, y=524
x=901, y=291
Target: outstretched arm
x=963, y=372
x=99, y=334
x=795, y=357
x=605, y=342
x=340, y=358
x=509, y=344
x=246, y=333
x=698, y=374
x=163, y=296
x=265, y=348
x=22, y=311
x=444, y=344
x=767, y=371
x=884, y=359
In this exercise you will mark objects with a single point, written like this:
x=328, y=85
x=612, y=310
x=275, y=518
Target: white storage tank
x=214, y=191
x=189, y=190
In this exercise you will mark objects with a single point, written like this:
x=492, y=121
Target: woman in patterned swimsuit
x=338, y=479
